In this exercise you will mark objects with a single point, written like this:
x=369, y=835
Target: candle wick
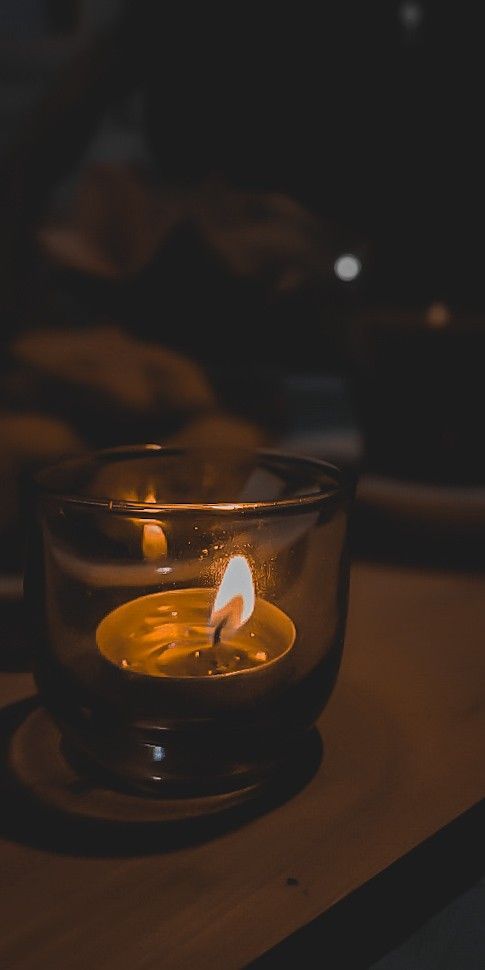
x=216, y=636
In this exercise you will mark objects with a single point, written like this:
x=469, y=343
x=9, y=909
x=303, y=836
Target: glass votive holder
x=189, y=611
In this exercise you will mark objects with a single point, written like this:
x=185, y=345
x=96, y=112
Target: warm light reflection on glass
x=154, y=541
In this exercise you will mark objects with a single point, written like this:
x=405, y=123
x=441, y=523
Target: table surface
x=403, y=736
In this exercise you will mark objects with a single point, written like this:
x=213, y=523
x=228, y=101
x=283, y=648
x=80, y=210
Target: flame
x=154, y=541
x=234, y=602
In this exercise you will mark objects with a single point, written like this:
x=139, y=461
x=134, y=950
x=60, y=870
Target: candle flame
x=235, y=598
x=154, y=541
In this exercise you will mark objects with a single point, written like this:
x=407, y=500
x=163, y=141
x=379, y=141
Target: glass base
x=60, y=779
x=192, y=760
x=148, y=748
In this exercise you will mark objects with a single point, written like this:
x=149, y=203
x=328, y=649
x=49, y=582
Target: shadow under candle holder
x=53, y=799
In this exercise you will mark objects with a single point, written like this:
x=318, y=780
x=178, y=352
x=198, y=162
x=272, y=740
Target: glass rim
x=336, y=492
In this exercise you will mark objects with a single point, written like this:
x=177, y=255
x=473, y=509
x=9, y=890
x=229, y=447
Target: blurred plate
x=453, y=508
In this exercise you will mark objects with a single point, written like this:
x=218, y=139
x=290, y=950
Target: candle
x=196, y=633
x=168, y=597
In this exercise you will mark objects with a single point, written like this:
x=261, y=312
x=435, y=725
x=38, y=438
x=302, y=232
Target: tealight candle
x=192, y=633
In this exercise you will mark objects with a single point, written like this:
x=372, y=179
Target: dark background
x=369, y=115
x=188, y=180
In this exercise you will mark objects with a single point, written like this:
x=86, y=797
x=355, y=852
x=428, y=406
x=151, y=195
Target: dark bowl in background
x=419, y=390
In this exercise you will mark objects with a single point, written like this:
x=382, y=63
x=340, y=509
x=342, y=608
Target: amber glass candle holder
x=189, y=611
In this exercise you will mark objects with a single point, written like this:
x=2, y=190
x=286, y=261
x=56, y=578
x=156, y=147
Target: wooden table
x=404, y=736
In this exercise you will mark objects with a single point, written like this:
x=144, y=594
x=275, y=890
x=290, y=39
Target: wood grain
x=404, y=736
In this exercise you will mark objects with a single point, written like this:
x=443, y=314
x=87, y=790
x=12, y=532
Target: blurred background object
x=213, y=228
x=419, y=389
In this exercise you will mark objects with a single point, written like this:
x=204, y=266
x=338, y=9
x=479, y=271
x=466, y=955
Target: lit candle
x=194, y=633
